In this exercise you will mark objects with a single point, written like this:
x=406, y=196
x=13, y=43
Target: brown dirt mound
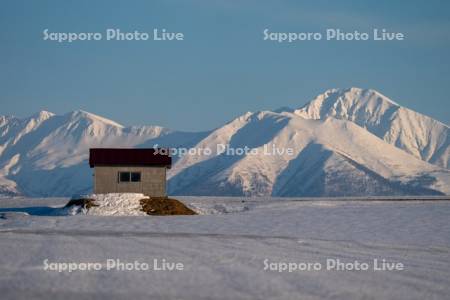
x=163, y=206
x=85, y=203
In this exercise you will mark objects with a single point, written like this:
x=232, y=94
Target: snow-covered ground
x=116, y=204
x=223, y=251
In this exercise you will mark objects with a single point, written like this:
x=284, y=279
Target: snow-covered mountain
x=344, y=142
x=330, y=157
x=417, y=134
x=46, y=154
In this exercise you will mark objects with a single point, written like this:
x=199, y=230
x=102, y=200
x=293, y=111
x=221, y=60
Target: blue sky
x=223, y=68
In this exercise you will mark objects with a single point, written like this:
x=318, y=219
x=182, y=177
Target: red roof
x=135, y=157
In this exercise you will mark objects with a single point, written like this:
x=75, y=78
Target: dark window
x=124, y=176
x=129, y=176
x=136, y=177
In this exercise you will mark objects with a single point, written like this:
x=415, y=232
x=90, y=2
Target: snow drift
x=116, y=204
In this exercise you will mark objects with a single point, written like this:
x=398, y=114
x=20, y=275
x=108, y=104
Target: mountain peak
x=42, y=115
x=415, y=133
x=359, y=154
x=81, y=114
x=5, y=119
x=343, y=103
x=355, y=92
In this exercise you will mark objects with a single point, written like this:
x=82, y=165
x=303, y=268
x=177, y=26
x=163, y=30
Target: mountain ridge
x=346, y=142
x=417, y=134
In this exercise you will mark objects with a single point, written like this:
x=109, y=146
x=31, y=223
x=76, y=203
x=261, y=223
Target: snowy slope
x=417, y=134
x=224, y=254
x=330, y=158
x=46, y=154
x=345, y=142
